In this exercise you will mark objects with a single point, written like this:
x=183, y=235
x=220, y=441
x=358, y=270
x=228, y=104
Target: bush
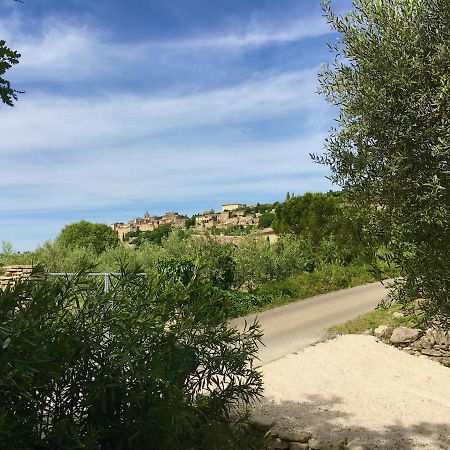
x=143, y=366
x=241, y=303
x=176, y=270
x=215, y=261
x=57, y=257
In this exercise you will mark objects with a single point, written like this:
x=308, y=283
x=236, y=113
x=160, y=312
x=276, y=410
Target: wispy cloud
x=167, y=175
x=71, y=146
x=258, y=35
x=126, y=148
x=64, y=123
x=62, y=51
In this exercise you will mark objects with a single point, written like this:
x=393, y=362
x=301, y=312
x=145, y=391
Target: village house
x=232, y=215
x=149, y=223
x=233, y=206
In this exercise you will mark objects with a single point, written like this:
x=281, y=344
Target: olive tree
x=390, y=80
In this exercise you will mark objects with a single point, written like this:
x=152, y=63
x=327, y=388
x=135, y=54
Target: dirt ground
x=356, y=387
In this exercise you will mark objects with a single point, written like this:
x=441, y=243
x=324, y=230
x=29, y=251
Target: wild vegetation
x=373, y=319
x=322, y=247
x=150, y=364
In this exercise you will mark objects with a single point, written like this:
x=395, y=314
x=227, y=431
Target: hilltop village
x=232, y=216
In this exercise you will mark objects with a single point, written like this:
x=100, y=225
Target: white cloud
x=85, y=152
x=259, y=35
x=62, y=123
x=61, y=51
x=61, y=153
x=165, y=174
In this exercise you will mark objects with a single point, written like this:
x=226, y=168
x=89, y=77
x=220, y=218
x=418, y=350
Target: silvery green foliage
x=390, y=148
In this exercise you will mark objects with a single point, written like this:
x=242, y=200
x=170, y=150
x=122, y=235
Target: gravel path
x=356, y=387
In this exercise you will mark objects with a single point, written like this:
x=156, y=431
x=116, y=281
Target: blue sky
x=155, y=105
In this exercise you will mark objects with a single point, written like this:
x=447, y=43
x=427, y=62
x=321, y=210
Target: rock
x=431, y=352
x=368, y=332
x=279, y=444
x=261, y=423
x=397, y=315
x=383, y=332
x=296, y=435
x=423, y=342
x=404, y=335
x=441, y=339
x=298, y=446
x=431, y=336
x=316, y=444
x=357, y=444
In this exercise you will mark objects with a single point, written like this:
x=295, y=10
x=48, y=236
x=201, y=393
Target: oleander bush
x=151, y=364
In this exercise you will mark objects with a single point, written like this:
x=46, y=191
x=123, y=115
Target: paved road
x=297, y=325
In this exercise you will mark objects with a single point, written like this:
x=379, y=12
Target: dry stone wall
x=294, y=439
x=433, y=342
x=9, y=275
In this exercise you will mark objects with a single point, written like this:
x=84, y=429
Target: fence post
x=106, y=282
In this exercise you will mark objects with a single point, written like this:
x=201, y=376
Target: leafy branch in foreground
x=151, y=364
x=8, y=58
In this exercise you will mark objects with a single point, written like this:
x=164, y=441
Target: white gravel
x=356, y=387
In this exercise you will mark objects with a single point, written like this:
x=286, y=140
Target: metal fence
x=106, y=276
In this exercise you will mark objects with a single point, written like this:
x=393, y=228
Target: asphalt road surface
x=297, y=325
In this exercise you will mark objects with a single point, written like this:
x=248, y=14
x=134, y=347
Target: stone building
x=233, y=206
x=232, y=215
x=149, y=223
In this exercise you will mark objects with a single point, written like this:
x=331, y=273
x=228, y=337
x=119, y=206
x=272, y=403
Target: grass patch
x=373, y=319
x=326, y=278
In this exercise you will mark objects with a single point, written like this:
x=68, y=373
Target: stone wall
x=433, y=342
x=9, y=275
x=282, y=438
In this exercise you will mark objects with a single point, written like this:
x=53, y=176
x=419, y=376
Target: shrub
x=56, y=257
x=238, y=304
x=293, y=255
x=142, y=366
x=215, y=261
